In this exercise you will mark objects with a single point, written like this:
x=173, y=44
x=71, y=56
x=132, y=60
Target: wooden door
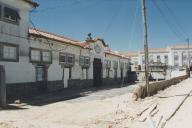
x=41, y=77
x=97, y=72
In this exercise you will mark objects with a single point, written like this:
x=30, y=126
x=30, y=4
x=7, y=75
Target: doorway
x=66, y=76
x=97, y=72
x=41, y=77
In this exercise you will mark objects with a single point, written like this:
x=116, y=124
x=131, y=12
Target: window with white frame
x=9, y=52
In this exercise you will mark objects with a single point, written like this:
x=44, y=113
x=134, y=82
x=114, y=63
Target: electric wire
x=133, y=23
x=113, y=18
x=166, y=20
x=175, y=19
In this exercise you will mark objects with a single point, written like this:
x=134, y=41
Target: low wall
x=141, y=90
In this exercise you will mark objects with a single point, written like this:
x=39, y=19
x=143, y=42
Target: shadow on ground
x=46, y=98
x=13, y=107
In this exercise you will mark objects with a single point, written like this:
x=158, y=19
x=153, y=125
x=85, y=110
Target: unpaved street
x=111, y=108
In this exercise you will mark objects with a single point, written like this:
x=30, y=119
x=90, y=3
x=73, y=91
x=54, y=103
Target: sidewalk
x=167, y=101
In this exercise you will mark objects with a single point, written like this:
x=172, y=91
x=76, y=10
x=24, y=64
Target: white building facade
x=38, y=60
x=174, y=56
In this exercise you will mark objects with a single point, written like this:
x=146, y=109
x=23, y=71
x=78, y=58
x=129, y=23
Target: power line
x=61, y=6
x=175, y=18
x=47, y=41
x=114, y=17
x=134, y=22
x=166, y=20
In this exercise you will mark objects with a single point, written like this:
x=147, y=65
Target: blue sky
x=118, y=22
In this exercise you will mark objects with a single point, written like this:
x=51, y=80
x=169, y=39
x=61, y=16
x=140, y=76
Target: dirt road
x=111, y=108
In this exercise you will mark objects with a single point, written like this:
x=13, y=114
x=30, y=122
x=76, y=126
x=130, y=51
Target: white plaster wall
x=22, y=71
x=19, y=72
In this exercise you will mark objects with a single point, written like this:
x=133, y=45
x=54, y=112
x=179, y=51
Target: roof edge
x=34, y=4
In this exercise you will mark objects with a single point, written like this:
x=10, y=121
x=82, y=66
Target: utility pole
x=188, y=53
x=145, y=45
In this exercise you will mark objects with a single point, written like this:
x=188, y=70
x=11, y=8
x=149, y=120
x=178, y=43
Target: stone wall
x=141, y=90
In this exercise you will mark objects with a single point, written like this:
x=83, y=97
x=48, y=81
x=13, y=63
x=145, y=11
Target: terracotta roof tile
x=156, y=50
x=180, y=46
x=115, y=54
x=55, y=37
x=130, y=54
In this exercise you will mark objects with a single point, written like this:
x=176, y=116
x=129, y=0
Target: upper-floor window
x=63, y=58
x=121, y=65
x=158, y=59
x=143, y=59
x=70, y=59
x=184, y=56
x=66, y=59
x=0, y=11
x=46, y=56
x=40, y=56
x=9, y=52
x=176, y=57
x=35, y=55
x=11, y=14
x=166, y=59
x=151, y=59
x=107, y=63
x=84, y=61
x=115, y=64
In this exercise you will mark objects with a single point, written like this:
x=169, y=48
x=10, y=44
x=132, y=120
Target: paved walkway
x=183, y=117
